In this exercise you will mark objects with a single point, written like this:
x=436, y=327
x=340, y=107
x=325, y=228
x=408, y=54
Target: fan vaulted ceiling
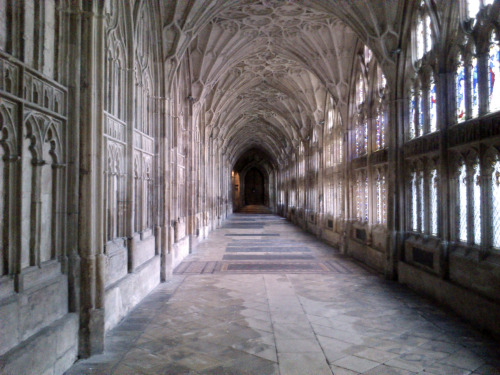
x=261, y=70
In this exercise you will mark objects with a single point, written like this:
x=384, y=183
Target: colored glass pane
x=432, y=108
x=380, y=128
x=474, y=88
x=460, y=91
x=412, y=132
x=494, y=73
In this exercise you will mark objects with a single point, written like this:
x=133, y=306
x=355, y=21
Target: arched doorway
x=254, y=187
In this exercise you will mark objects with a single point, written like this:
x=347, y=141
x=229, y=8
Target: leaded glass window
x=428, y=33
x=460, y=90
x=412, y=119
x=495, y=203
x=432, y=107
x=361, y=138
x=476, y=202
x=462, y=203
x=380, y=129
x=434, y=202
x=421, y=120
x=494, y=73
x=420, y=35
x=381, y=198
x=474, y=87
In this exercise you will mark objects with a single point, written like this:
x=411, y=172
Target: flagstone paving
x=268, y=312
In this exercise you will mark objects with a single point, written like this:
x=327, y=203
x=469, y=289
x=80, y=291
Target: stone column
x=90, y=236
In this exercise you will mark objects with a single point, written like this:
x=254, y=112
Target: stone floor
x=260, y=296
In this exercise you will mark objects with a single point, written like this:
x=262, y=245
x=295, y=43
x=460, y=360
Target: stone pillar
x=90, y=236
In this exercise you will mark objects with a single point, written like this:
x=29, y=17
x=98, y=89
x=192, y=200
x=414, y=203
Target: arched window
x=423, y=31
x=494, y=73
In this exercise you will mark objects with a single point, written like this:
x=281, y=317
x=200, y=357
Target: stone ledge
x=481, y=312
x=25, y=314
x=125, y=294
x=51, y=351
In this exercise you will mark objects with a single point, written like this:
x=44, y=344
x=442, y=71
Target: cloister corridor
x=261, y=296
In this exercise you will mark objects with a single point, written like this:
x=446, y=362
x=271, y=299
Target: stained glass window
x=495, y=203
x=414, y=202
x=432, y=107
x=474, y=88
x=476, y=201
x=413, y=130
x=361, y=138
x=420, y=126
x=494, y=73
x=460, y=90
x=462, y=200
x=434, y=202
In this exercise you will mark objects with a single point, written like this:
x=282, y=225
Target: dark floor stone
x=253, y=234
x=272, y=267
x=268, y=257
x=268, y=249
